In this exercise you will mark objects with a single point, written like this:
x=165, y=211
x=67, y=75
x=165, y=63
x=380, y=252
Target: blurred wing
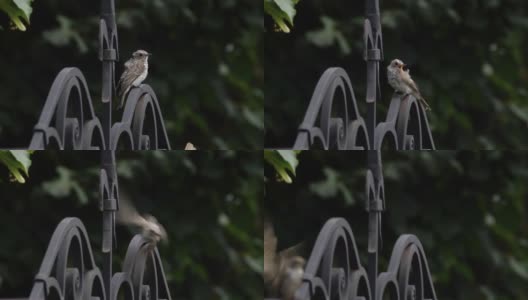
x=296, y=250
x=270, y=248
x=127, y=213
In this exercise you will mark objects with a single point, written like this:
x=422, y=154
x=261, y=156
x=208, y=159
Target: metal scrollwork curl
x=68, y=120
x=408, y=272
x=333, y=270
x=407, y=123
x=333, y=126
x=143, y=263
x=141, y=126
x=68, y=269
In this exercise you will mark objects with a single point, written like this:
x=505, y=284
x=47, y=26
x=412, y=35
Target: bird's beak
x=149, y=54
x=404, y=66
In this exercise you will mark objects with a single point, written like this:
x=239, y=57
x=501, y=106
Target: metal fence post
x=108, y=54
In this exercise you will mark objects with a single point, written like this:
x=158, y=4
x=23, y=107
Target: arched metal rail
x=69, y=271
x=68, y=119
x=333, y=121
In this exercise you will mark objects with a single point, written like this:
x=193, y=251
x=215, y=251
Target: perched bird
x=147, y=225
x=189, y=146
x=283, y=272
x=136, y=70
x=400, y=80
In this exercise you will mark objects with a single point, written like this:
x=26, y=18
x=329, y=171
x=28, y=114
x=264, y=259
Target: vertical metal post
x=375, y=207
x=373, y=54
x=109, y=206
x=108, y=55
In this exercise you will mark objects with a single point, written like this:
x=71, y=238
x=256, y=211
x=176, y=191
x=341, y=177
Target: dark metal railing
x=68, y=119
x=331, y=125
x=69, y=271
x=334, y=270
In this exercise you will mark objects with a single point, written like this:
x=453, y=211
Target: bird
x=147, y=225
x=283, y=271
x=136, y=71
x=401, y=81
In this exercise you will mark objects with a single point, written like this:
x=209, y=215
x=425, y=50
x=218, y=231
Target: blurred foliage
x=209, y=202
x=282, y=12
x=468, y=209
x=284, y=162
x=17, y=163
x=206, y=67
x=18, y=12
x=468, y=57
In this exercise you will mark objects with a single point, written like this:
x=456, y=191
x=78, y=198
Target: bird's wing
x=270, y=248
x=127, y=213
x=296, y=250
x=406, y=77
x=130, y=74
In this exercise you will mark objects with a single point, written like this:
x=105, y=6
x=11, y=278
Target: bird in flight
x=146, y=225
x=401, y=81
x=283, y=271
x=136, y=71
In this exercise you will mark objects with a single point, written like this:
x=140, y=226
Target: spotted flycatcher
x=283, y=271
x=146, y=225
x=401, y=81
x=136, y=70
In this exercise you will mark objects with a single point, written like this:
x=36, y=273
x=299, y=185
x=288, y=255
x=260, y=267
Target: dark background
x=190, y=193
x=468, y=58
x=468, y=209
x=206, y=68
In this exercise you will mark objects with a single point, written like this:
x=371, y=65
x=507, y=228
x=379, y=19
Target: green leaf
x=282, y=12
x=331, y=186
x=518, y=267
x=64, y=185
x=17, y=162
x=18, y=11
x=284, y=161
x=329, y=35
x=65, y=34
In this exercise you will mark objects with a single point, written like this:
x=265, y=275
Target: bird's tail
x=426, y=105
x=122, y=98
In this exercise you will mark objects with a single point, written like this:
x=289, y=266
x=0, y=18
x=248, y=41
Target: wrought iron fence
x=334, y=270
x=69, y=121
x=69, y=271
x=333, y=121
